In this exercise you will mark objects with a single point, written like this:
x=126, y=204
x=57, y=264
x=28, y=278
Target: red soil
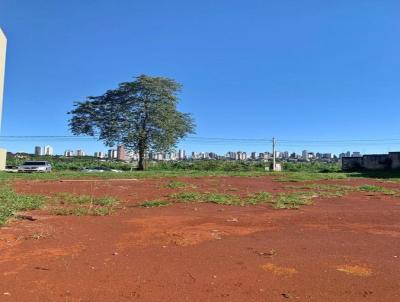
x=339, y=249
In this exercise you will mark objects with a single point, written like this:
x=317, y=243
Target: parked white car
x=35, y=166
x=10, y=168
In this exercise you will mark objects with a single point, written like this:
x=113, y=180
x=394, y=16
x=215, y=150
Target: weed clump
x=11, y=203
x=154, y=204
x=83, y=205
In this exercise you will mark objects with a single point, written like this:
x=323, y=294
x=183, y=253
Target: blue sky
x=298, y=70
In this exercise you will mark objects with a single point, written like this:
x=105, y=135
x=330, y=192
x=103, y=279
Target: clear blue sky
x=250, y=69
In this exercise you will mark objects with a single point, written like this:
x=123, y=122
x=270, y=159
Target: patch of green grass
x=293, y=200
x=11, y=203
x=83, y=211
x=154, y=204
x=323, y=190
x=308, y=176
x=186, y=196
x=83, y=205
x=224, y=199
x=258, y=198
x=84, y=199
x=376, y=189
x=174, y=184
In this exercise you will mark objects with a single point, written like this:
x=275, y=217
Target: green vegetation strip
x=377, y=189
x=224, y=199
x=154, y=204
x=290, y=200
x=11, y=203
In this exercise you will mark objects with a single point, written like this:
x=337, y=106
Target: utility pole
x=273, y=154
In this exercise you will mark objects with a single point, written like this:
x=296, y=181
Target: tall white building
x=181, y=154
x=80, y=153
x=48, y=150
x=112, y=154
x=99, y=154
x=68, y=153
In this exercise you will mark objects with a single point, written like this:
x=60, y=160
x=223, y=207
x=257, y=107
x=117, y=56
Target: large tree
x=142, y=115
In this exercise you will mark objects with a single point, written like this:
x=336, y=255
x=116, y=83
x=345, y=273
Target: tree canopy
x=142, y=115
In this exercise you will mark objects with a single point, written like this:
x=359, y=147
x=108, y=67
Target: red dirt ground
x=338, y=249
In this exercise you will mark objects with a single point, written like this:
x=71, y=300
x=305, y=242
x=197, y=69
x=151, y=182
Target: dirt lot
x=338, y=249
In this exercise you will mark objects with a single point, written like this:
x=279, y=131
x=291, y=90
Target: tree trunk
x=141, y=159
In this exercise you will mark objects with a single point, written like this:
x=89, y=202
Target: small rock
x=232, y=220
x=6, y=294
x=286, y=295
x=215, y=276
x=115, y=254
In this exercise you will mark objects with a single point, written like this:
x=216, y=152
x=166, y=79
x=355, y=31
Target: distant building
x=285, y=155
x=112, y=154
x=99, y=154
x=38, y=151
x=48, y=150
x=80, y=153
x=121, y=153
x=356, y=154
x=181, y=154
x=304, y=155
x=69, y=153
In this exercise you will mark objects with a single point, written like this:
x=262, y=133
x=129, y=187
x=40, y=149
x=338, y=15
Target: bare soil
x=338, y=249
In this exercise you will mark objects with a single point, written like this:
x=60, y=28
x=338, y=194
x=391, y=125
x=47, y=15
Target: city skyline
x=121, y=153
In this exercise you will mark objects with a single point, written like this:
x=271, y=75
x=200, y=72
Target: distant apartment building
x=69, y=153
x=181, y=155
x=112, y=154
x=38, y=151
x=356, y=154
x=121, y=153
x=304, y=155
x=48, y=150
x=99, y=154
x=80, y=153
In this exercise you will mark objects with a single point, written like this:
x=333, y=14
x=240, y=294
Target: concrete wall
x=352, y=163
x=3, y=46
x=389, y=161
x=376, y=162
x=395, y=160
